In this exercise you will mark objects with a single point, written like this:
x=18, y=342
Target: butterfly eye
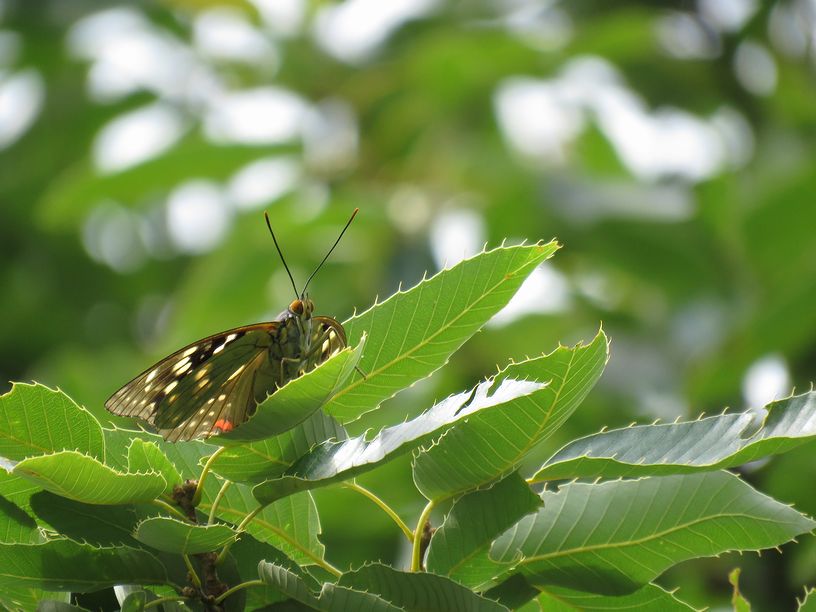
x=296, y=307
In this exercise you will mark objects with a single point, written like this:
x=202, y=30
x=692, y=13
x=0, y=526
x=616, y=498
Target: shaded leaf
x=17, y=525
x=298, y=399
x=333, y=461
x=331, y=598
x=135, y=602
x=83, y=478
x=414, y=332
x=459, y=547
x=417, y=591
x=36, y=420
x=64, y=565
x=711, y=443
x=258, y=461
x=615, y=537
x=174, y=536
x=503, y=436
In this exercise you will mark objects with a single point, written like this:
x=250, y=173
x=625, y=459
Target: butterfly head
x=302, y=307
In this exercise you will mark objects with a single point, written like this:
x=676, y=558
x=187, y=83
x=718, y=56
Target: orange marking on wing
x=223, y=425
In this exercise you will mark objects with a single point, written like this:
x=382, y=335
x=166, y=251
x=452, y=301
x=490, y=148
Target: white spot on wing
x=152, y=375
x=190, y=351
x=171, y=386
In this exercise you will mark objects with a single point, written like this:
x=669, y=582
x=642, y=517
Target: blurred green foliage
x=668, y=146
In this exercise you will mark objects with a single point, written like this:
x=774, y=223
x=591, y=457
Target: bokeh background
x=669, y=146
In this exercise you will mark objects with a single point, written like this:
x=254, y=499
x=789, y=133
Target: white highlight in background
x=545, y=291
x=21, y=98
x=456, y=235
x=197, y=216
x=263, y=181
x=766, y=380
x=264, y=115
x=137, y=136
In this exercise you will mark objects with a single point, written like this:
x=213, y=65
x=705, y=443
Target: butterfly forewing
x=215, y=384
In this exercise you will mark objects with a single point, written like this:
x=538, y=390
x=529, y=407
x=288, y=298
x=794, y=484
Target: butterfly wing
x=204, y=388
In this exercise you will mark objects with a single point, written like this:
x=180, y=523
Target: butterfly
x=215, y=384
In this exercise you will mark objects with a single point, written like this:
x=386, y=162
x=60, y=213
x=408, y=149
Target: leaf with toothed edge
x=615, y=537
x=298, y=399
x=503, y=436
x=83, y=478
x=414, y=332
x=331, y=598
x=710, y=443
x=36, y=420
x=174, y=536
x=647, y=599
x=333, y=461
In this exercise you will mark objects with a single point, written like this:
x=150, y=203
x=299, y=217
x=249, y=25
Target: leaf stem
x=193, y=575
x=165, y=506
x=217, y=500
x=162, y=600
x=383, y=506
x=241, y=527
x=204, y=473
x=416, y=553
x=238, y=587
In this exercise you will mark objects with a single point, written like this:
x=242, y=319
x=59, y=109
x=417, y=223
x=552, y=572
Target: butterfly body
x=215, y=384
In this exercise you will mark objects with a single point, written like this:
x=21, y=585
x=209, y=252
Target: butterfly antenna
x=277, y=246
x=320, y=265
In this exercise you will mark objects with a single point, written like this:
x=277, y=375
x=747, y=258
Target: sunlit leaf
x=83, y=478
x=332, y=461
x=615, y=537
x=711, y=443
x=36, y=420
x=501, y=437
x=413, y=333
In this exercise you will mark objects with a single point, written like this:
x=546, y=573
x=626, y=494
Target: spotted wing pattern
x=205, y=388
x=214, y=385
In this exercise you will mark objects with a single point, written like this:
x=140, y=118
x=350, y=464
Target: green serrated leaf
x=17, y=524
x=174, y=536
x=615, y=537
x=94, y=524
x=83, y=478
x=413, y=333
x=65, y=565
x=650, y=597
x=808, y=603
x=146, y=456
x=459, y=547
x=333, y=461
x=331, y=598
x=298, y=399
x=503, y=436
x=259, y=461
x=416, y=591
x=712, y=443
x=291, y=525
x=36, y=420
